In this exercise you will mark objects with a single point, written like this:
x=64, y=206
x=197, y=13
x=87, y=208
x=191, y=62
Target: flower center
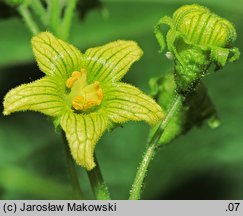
x=82, y=95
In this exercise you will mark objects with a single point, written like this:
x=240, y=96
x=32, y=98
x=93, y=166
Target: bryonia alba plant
x=83, y=92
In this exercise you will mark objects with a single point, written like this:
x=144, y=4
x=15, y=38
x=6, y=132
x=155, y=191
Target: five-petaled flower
x=83, y=92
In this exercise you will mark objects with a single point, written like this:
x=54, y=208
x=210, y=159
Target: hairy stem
x=98, y=185
x=137, y=185
x=40, y=11
x=54, y=11
x=72, y=171
x=67, y=19
x=25, y=13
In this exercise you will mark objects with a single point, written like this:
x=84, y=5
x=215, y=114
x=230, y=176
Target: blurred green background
x=204, y=164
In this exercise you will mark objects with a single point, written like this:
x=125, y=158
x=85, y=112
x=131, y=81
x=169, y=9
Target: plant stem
x=68, y=15
x=25, y=13
x=141, y=172
x=40, y=11
x=137, y=185
x=72, y=171
x=54, y=11
x=98, y=185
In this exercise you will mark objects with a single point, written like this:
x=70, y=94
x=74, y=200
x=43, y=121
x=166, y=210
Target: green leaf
x=111, y=61
x=83, y=132
x=192, y=112
x=44, y=95
x=54, y=56
x=125, y=102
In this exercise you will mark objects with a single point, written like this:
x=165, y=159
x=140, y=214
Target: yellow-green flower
x=83, y=92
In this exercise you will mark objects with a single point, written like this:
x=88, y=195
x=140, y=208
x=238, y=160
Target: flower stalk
x=67, y=18
x=72, y=170
x=28, y=19
x=98, y=185
x=40, y=11
x=54, y=12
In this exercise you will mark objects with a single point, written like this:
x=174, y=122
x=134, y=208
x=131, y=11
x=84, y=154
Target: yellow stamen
x=82, y=95
x=100, y=93
x=73, y=79
x=97, y=84
x=78, y=102
x=90, y=104
x=82, y=71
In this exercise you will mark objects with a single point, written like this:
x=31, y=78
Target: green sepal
x=56, y=122
x=112, y=126
x=191, y=64
x=219, y=56
x=193, y=111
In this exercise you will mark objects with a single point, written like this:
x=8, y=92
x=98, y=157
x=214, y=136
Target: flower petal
x=43, y=95
x=111, y=61
x=54, y=56
x=83, y=132
x=124, y=102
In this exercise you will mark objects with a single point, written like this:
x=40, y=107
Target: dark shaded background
x=204, y=164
